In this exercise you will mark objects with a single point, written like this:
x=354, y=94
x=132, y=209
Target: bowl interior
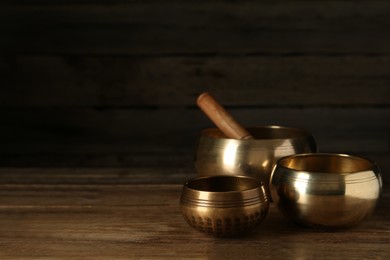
x=326, y=163
x=223, y=184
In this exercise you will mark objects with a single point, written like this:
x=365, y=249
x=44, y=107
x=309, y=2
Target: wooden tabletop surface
x=133, y=213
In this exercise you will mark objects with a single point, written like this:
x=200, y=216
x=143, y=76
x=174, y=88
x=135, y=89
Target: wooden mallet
x=221, y=118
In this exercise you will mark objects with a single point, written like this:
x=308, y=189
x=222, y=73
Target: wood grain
x=144, y=222
x=67, y=131
x=135, y=173
x=97, y=83
x=108, y=84
x=122, y=81
x=210, y=27
x=15, y=178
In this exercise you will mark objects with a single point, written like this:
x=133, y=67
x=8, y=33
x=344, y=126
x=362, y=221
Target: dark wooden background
x=114, y=83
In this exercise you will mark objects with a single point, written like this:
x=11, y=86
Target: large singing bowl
x=218, y=155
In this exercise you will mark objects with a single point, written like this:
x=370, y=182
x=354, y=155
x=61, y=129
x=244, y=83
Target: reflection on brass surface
x=224, y=205
x=218, y=155
x=326, y=190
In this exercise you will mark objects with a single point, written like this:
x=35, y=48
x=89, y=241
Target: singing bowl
x=215, y=154
x=326, y=190
x=224, y=205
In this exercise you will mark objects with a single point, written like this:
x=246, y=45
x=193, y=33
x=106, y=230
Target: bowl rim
x=304, y=133
x=224, y=199
x=372, y=164
x=258, y=185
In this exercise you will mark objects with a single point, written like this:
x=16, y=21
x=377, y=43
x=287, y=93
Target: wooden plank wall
x=113, y=83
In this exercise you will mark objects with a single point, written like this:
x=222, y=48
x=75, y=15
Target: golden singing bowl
x=326, y=190
x=224, y=205
x=215, y=154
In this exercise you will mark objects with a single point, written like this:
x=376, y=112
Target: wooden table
x=133, y=213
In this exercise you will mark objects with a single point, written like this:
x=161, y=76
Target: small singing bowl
x=217, y=154
x=224, y=205
x=326, y=190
